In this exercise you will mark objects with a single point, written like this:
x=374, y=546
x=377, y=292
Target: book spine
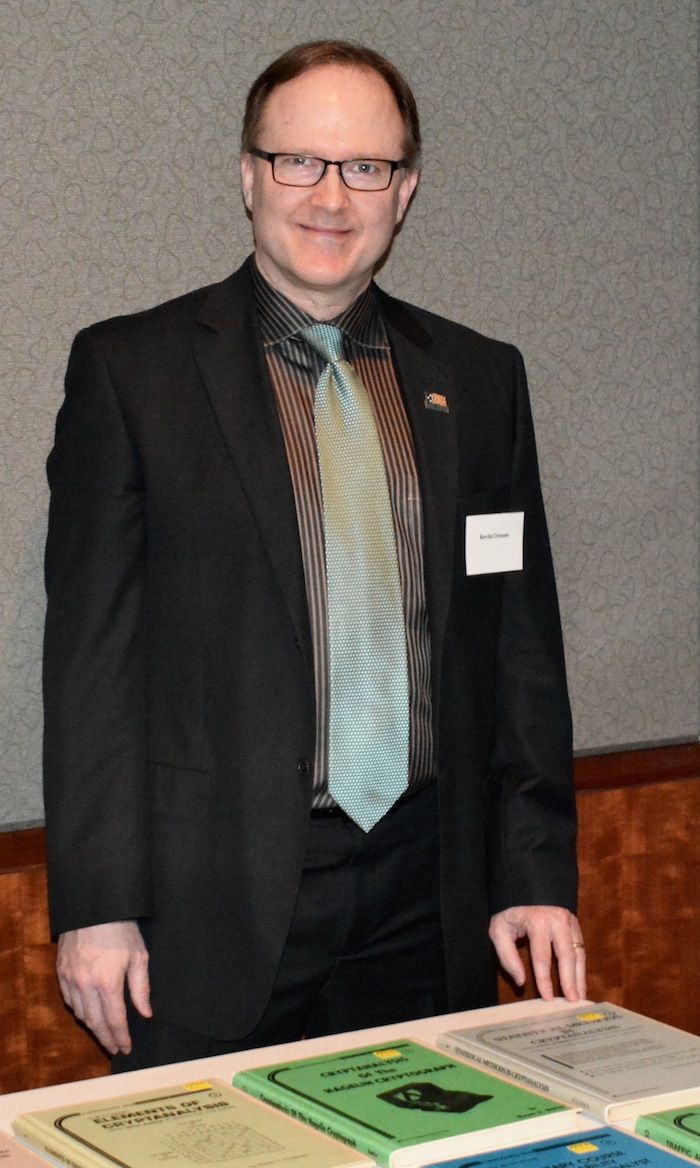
x=339, y=1127
x=37, y=1142
x=513, y=1069
x=675, y=1139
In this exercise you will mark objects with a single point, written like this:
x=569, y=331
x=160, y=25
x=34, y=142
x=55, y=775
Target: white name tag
x=494, y=543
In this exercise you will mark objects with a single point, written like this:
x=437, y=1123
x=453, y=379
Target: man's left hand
x=549, y=930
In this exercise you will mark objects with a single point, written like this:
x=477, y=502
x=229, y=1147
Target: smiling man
x=319, y=245
x=307, y=732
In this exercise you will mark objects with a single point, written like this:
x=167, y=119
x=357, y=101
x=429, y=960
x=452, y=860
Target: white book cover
x=609, y=1061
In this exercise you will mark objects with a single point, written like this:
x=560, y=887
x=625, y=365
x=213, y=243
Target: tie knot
x=326, y=339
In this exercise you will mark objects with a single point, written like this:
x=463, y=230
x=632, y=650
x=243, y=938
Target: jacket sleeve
x=94, y=681
x=532, y=855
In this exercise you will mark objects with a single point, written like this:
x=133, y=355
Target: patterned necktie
x=368, y=733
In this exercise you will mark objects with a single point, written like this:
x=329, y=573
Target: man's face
x=319, y=245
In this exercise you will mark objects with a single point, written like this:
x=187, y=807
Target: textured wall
x=557, y=210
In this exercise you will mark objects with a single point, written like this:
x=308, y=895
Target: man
x=215, y=704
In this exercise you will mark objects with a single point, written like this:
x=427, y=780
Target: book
x=13, y=1155
x=404, y=1104
x=198, y=1123
x=605, y=1059
x=677, y=1129
x=606, y=1147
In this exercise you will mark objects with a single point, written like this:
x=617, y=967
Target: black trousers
x=364, y=946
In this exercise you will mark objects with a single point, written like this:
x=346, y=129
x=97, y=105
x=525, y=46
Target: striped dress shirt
x=295, y=368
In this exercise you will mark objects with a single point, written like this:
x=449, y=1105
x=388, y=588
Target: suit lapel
x=434, y=435
x=229, y=354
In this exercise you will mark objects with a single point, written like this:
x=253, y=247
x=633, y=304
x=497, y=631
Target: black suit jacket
x=178, y=678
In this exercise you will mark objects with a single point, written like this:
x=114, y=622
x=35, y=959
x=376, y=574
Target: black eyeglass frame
x=270, y=157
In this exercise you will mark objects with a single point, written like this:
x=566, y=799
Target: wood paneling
x=639, y=853
x=639, y=903
x=640, y=877
x=40, y=1042
x=632, y=768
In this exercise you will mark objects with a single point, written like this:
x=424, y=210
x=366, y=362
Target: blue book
x=606, y=1147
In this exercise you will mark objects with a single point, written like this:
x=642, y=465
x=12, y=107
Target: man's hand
x=547, y=928
x=92, y=964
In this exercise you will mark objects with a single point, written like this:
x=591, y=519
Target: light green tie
x=368, y=734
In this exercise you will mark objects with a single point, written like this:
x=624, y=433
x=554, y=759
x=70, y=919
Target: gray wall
x=558, y=210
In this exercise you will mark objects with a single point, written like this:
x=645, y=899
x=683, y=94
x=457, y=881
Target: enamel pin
x=436, y=401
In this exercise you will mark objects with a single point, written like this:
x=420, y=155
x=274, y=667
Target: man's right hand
x=92, y=964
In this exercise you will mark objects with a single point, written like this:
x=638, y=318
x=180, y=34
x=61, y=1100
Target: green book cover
x=398, y=1101
x=677, y=1129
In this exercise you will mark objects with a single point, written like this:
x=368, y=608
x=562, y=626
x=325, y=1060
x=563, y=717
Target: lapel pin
x=436, y=401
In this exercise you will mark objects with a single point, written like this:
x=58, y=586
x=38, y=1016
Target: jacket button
x=303, y=766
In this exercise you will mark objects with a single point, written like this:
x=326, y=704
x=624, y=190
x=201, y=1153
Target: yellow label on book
x=387, y=1054
x=583, y=1148
x=591, y=1017
x=198, y=1085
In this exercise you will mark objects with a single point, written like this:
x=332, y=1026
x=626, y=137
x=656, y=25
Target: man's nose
x=331, y=191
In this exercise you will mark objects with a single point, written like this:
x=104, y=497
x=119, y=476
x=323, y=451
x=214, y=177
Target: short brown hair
x=312, y=54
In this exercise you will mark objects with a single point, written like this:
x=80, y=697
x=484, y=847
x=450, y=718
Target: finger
x=508, y=955
x=75, y=996
x=100, y=1006
x=88, y=1008
x=112, y=1020
x=567, y=945
x=542, y=970
x=580, y=970
x=541, y=954
x=139, y=987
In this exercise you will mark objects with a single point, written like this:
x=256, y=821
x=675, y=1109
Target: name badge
x=494, y=543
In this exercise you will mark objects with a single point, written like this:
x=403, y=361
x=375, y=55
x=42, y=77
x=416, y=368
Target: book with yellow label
x=404, y=1104
x=181, y=1127
x=605, y=1059
x=605, y=1147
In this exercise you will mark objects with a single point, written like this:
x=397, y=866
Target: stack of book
x=611, y=1063
x=520, y=1101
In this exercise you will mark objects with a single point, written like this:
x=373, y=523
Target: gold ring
x=578, y=945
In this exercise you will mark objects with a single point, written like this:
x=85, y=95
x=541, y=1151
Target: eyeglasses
x=359, y=174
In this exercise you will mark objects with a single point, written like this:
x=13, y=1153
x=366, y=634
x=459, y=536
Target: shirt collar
x=280, y=318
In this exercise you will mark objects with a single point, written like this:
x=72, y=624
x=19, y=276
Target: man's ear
x=409, y=182
x=247, y=179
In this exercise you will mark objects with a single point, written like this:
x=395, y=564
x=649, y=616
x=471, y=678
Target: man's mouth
x=330, y=230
